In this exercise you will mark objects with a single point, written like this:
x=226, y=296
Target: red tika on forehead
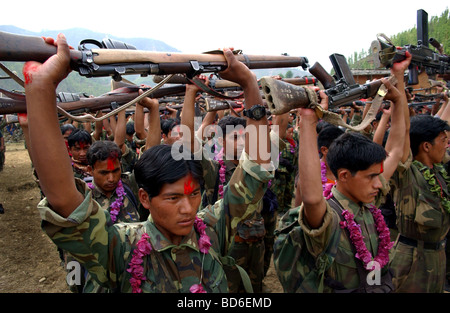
x=188, y=185
x=110, y=165
x=381, y=170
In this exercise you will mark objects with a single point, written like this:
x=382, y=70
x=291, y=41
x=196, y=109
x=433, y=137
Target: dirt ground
x=29, y=261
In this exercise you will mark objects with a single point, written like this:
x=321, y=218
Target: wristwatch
x=256, y=112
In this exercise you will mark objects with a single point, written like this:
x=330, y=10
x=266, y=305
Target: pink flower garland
x=118, y=203
x=326, y=186
x=384, y=245
x=222, y=172
x=143, y=248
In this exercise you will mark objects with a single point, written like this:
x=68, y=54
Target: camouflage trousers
x=283, y=187
x=250, y=256
x=416, y=269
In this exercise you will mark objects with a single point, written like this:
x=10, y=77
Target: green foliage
x=438, y=28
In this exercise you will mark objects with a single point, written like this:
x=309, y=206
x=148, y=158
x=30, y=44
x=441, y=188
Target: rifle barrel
x=117, y=62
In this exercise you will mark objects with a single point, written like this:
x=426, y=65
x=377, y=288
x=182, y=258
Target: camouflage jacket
x=106, y=250
x=420, y=218
x=128, y=212
x=420, y=214
x=343, y=268
x=289, y=156
x=251, y=228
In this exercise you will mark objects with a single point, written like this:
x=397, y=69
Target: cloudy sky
x=313, y=28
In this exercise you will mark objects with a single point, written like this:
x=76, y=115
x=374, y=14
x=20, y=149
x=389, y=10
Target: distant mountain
x=76, y=35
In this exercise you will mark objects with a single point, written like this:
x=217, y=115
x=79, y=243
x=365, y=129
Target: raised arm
x=258, y=149
x=309, y=174
x=188, y=113
x=41, y=81
x=154, y=131
x=120, y=130
x=378, y=136
x=397, y=133
x=398, y=70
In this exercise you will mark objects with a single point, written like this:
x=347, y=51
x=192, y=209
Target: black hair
x=327, y=135
x=230, y=120
x=157, y=167
x=168, y=124
x=425, y=128
x=130, y=128
x=355, y=152
x=78, y=136
x=102, y=150
x=320, y=125
x=66, y=127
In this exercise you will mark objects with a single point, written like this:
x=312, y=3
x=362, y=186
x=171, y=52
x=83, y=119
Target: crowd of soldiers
x=138, y=219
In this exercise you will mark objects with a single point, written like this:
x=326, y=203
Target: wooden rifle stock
x=281, y=97
x=117, y=62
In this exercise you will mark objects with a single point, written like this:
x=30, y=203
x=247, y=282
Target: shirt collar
x=160, y=242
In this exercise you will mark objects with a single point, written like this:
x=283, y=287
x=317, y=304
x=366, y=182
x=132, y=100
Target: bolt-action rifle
x=115, y=58
x=79, y=103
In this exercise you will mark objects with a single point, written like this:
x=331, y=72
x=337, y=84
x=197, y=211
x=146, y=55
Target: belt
x=238, y=238
x=426, y=245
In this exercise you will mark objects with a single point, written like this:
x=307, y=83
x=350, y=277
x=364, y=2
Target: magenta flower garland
x=143, y=248
x=362, y=253
x=326, y=186
x=222, y=172
x=384, y=245
x=118, y=203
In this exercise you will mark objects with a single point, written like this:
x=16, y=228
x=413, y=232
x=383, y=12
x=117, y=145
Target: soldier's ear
x=324, y=150
x=144, y=198
x=343, y=174
x=426, y=146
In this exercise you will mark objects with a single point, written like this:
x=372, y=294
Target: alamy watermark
x=257, y=149
x=374, y=276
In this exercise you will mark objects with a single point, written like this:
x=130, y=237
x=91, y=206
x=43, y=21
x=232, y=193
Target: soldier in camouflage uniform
x=79, y=142
x=283, y=183
x=361, y=168
x=105, y=166
x=248, y=247
x=422, y=195
x=165, y=249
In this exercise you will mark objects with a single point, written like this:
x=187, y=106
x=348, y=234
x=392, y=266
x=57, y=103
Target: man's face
x=173, y=135
x=79, y=151
x=67, y=134
x=438, y=148
x=365, y=185
x=234, y=144
x=175, y=208
x=106, y=174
